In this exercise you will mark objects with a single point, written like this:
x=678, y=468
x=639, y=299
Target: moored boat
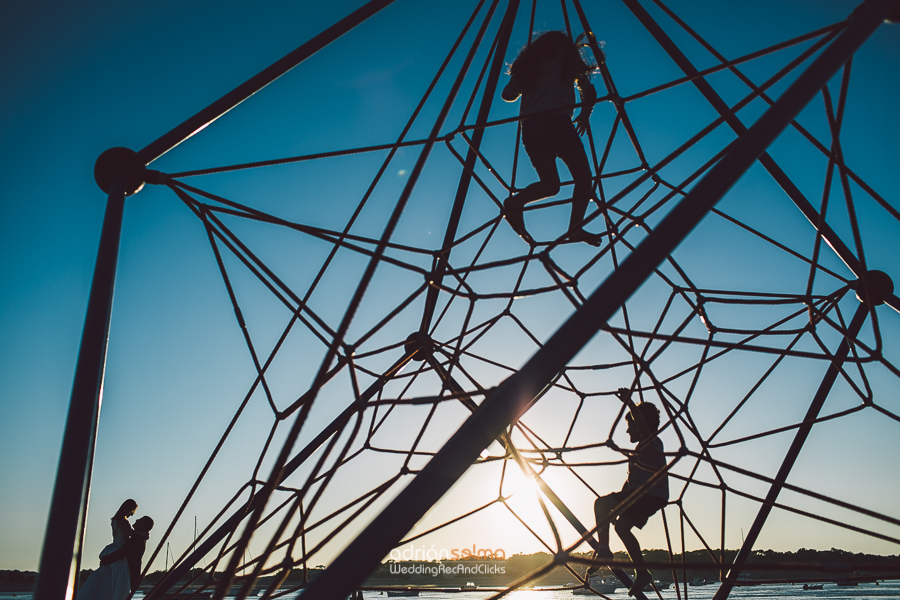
x=599, y=584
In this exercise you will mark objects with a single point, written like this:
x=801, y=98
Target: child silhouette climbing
x=645, y=462
x=543, y=74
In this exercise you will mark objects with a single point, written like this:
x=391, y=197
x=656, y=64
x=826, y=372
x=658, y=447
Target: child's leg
x=641, y=574
x=603, y=507
x=546, y=186
x=577, y=162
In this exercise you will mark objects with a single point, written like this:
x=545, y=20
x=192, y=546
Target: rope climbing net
x=381, y=318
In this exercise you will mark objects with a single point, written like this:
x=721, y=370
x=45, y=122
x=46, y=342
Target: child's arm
x=114, y=556
x=588, y=98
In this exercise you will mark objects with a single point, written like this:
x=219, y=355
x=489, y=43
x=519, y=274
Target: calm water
x=864, y=591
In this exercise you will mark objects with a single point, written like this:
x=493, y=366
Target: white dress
x=109, y=582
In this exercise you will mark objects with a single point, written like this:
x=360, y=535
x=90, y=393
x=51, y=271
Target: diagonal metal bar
x=516, y=394
x=205, y=117
x=776, y=172
x=793, y=452
x=894, y=302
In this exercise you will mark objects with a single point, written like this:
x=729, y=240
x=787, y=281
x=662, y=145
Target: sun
x=517, y=483
x=525, y=502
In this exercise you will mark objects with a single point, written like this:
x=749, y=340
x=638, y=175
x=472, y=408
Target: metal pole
x=515, y=395
x=58, y=571
x=205, y=117
x=794, y=451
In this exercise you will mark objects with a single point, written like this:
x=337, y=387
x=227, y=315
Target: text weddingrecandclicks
x=438, y=569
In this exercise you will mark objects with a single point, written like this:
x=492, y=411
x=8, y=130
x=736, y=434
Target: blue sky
x=79, y=80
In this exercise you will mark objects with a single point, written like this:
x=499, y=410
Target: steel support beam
x=64, y=536
x=515, y=395
x=793, y=452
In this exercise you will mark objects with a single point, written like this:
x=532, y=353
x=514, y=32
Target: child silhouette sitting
x=646, y=460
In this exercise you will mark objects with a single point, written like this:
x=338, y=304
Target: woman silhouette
x=112, y=581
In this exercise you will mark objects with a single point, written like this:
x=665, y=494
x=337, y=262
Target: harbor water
x=865, y=591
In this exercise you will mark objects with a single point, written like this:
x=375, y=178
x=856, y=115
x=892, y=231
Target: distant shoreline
x=772, y=567
x=6, y=588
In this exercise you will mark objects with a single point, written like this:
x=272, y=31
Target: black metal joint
x=874, y=287
x=120, y=162
x=156, y=177
x=418, y=345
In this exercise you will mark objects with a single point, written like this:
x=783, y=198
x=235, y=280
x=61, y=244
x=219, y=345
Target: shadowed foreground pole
x=515, y=395
x=119, y=174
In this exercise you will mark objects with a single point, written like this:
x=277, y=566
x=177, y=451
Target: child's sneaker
x=513, y=215
x=599, y=552
x=641, y=579
x=580, y=235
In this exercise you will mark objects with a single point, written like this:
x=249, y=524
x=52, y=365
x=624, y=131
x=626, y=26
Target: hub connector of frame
x=419, y=345
x=875, y=287
x=117, y=162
